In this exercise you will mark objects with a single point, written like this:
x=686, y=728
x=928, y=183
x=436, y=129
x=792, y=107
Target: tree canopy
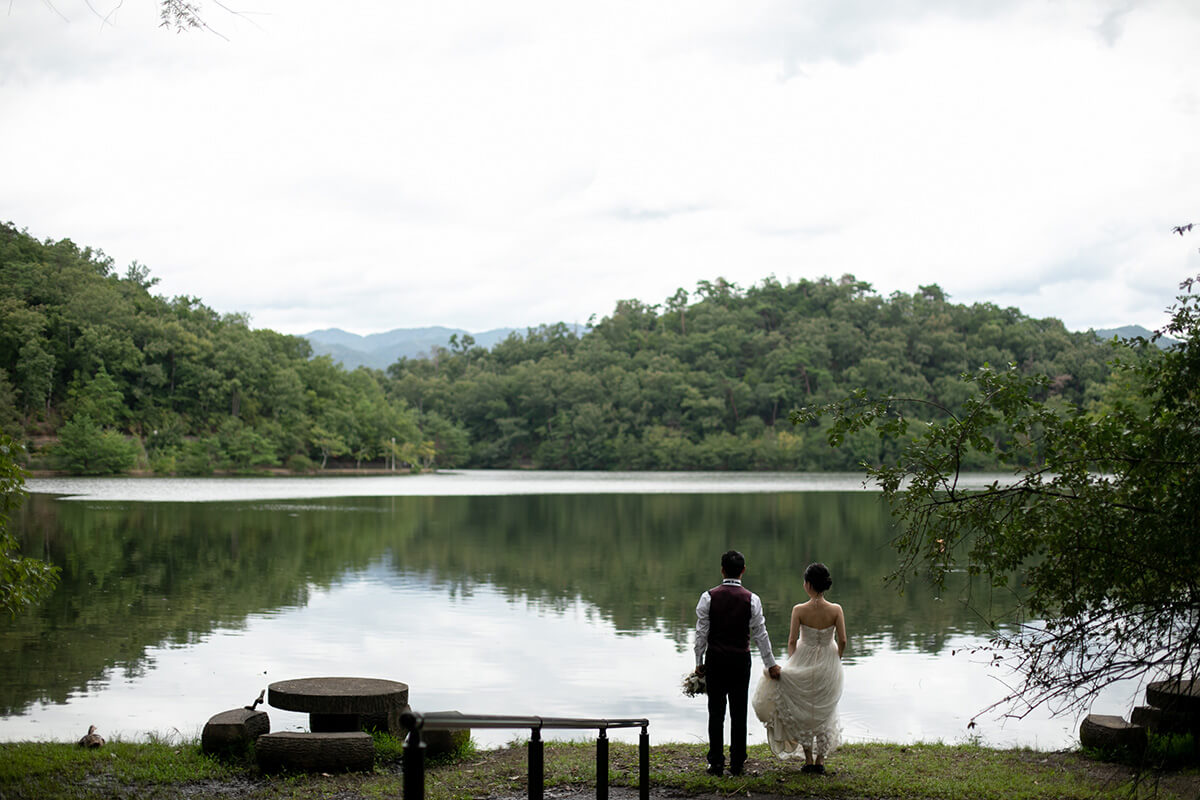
x=1092, y=541
x=708, y=384
x=100, y=375
x=123, y=378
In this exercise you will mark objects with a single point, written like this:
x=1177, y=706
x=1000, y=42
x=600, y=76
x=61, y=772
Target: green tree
x=23, y=581
x=84, y=448
x=328, y=443
x=10, y=418
x=451, y=443
x=243, y=448
x=197, y=456
x=98, y=398
x=36, y=373
x=1093, y=541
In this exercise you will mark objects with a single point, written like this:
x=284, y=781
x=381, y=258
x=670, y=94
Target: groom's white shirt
x=758, y=626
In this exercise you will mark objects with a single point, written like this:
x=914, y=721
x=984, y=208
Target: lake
x=489, y=592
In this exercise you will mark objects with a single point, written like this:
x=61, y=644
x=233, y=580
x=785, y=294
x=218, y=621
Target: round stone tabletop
x=338, y=695
x=1175, y=695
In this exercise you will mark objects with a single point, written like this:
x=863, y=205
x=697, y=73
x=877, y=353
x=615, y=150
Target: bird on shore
x=92, y=739
x=261, y=695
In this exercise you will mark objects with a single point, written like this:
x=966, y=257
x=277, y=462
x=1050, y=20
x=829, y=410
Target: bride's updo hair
x=818, y=575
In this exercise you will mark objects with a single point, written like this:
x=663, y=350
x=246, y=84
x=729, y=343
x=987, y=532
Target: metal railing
x=414, y=746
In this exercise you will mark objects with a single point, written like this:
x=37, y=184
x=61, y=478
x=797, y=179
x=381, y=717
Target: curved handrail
x=417, y=723
x=452, y=720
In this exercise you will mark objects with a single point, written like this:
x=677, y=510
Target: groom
x=727, y=617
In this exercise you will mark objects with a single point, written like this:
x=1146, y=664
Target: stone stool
x=440, y=742
x=299, y=751
x=1160, y=720
x=1107, y=732
x=1172, y=707
x=233, y=731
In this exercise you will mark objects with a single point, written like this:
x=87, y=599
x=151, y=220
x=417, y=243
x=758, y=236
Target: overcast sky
x=379, y=164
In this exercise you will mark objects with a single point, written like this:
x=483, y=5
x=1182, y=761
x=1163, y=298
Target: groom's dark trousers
x=728, y=679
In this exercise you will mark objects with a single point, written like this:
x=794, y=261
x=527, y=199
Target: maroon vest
x=729, y=619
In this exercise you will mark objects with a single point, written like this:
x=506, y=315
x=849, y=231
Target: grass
x=64, y=770
x=162, y=769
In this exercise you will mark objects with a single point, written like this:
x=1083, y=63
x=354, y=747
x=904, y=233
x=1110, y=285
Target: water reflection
x=555, y=604
x=458, y=483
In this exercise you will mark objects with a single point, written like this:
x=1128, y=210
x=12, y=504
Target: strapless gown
x=801, y=707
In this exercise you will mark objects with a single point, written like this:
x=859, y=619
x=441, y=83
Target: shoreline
x=914, y=772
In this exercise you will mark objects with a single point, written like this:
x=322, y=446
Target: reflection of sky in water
x=458, y=483
x=478, y=652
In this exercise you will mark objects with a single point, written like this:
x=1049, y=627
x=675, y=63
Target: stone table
x=344, y=704
x=1175, y=695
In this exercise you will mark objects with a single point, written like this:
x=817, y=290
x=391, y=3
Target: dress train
x=801, y=706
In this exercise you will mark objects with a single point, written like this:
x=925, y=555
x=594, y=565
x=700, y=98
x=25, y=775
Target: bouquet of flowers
x=694, y=684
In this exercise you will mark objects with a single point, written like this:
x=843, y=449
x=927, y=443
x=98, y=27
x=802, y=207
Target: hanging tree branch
x=1094, y=533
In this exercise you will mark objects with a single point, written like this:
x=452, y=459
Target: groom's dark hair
x=733, y=564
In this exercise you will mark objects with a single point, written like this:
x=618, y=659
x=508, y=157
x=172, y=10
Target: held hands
x=773, y=671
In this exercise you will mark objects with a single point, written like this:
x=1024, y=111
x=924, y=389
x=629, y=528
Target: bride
x=800, y=709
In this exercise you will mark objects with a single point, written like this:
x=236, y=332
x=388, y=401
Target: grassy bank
x=178, y=770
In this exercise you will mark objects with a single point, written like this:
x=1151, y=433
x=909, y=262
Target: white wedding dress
x=801, y=707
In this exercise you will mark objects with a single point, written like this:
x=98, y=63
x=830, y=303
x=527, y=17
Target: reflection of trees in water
x=644, y=559
x=136, y=575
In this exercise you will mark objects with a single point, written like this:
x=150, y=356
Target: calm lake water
x=556, y=594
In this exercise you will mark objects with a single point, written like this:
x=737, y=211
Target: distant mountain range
x=1132, y=331
x=381, y=350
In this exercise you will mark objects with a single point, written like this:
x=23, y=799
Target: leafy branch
x=1094, y=533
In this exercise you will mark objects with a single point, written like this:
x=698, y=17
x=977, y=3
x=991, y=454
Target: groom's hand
x=699, y=669
x=774, y=672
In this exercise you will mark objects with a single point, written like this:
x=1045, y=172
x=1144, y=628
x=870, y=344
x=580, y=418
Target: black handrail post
x=414, y=765
x=644, y=764
x=602, y=765
x=537, y=765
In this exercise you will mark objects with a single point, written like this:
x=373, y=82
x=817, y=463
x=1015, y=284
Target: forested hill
x=125, y=379
x=706, y=381
x=98, y=374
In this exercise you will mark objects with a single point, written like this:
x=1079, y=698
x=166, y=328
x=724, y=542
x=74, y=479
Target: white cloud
x=401, y=164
